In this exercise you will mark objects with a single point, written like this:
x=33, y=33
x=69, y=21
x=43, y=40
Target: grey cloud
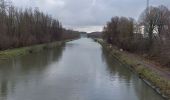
x=84, y=13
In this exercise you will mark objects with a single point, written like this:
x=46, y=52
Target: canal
x=79, y=70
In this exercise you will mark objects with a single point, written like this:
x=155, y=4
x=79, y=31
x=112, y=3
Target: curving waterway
x=78, y=70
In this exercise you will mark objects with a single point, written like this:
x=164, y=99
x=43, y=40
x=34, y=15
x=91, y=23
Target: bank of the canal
x=79, y=70
x=151, y=77
x=7, y=54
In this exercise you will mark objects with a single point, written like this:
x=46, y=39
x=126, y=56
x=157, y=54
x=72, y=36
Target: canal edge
x=164, y=92
x=11, y=53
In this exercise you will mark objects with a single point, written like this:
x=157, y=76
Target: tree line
x=149, y=36
x=24, y=27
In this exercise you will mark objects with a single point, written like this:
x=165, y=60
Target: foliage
x=150, y=76
x=24, y=27
x=125, y=33
x=119, y=31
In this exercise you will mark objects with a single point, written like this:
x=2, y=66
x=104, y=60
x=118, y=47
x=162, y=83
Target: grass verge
x=7, y=54
x=152, y=78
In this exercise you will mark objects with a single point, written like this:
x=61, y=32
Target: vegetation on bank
x=7, y=54
x=25, y=27
x=152, y=78
x=150, y=36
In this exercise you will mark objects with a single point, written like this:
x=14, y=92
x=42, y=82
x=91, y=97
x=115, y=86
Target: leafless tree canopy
x=124, y=33
x=20, y=27
x=119, y=31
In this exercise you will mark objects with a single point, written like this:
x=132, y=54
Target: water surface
x=79, y=70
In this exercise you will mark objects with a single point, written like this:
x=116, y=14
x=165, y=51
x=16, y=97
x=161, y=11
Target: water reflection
x=115, y=68
x=124, y=75
x=80, y=70
x=25, y=68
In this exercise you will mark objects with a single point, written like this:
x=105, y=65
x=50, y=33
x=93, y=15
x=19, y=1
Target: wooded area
x=23, y=27
x=154, y=43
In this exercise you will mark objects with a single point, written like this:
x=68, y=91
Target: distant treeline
x=70, y=34
x=23, y=27
x=150, y=36
x=95, y=35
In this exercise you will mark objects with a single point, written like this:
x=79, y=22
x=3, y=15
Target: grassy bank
x=7, y=54
x=151, y=77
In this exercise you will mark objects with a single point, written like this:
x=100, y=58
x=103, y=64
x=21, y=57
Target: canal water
x=79, y=70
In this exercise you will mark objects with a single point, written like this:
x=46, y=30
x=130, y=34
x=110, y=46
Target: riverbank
x=7, y=54
x=156, y=77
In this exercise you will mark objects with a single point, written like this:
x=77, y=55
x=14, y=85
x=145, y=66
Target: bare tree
x=22, y=27
x=120, y=32
x=163, y=17
x=149, y=18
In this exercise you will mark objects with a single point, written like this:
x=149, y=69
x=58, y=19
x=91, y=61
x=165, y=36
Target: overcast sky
x=89, y=15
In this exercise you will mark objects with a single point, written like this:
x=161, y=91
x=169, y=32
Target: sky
x=89, y=15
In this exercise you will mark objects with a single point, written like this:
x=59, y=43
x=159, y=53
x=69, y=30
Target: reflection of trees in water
x=3, y=89
x=39, y=61
x=116, y=68
x=27, y=67
x=142, y=91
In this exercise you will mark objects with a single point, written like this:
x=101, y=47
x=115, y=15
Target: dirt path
x=150, y=64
